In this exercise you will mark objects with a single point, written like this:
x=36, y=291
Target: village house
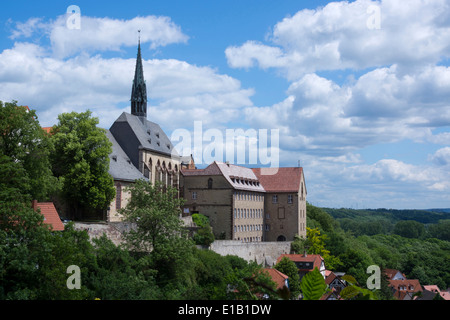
x=334, y=281
x=405, y=289
x=306, y=263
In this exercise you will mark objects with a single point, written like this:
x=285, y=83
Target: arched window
x=281, y=238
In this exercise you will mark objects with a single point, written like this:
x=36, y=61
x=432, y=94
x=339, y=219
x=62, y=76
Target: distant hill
x=391, y=215
x=444, y=210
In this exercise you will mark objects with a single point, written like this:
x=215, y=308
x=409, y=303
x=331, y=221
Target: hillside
x=417, y=242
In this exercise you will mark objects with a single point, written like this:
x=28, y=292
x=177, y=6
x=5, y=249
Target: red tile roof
x=391, y=273
x=315, y=259
x=51, y=216
x=403, y=286
x=278, y=277
x=285, y=179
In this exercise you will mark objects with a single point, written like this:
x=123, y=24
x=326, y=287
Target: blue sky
x=359, y=90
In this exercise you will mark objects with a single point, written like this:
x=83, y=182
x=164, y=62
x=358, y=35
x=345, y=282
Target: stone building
x=246, y=205
x=141, y=149
x=230, y=196
x=285, y=202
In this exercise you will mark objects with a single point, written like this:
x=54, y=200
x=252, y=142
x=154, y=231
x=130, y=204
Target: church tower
x=139, y=89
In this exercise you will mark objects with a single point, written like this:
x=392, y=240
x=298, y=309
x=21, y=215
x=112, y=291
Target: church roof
x=149, y=134
x=120, y=166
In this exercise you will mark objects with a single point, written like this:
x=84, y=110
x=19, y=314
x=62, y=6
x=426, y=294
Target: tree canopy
x=81, y=161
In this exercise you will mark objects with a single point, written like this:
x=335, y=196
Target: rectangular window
x=290, y=198
x=275, y=199
x=118, y=197
x=194, y=195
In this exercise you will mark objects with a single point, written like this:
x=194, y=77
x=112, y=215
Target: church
x=140, y=148
x=241, y=203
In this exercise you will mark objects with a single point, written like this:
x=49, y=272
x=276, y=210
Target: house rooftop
x=315, y=260
x=284, y=179
x=240, y=178
x=277, y=276
x=51, y=216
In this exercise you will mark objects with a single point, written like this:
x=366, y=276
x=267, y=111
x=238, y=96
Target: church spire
x=139, y=89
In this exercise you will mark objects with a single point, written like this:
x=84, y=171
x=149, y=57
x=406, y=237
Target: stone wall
x=113, y=230
x=265, y=253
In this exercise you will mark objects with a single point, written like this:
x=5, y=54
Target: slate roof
x=120, y=166
x=149, y=134
x=285, y=179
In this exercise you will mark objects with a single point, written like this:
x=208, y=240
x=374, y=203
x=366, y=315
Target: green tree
x=81, y=161
x=315, y=244
x=24, y=142
x=157, y=229
x=288, y=267
x=121, y=275
x=355, y=292
x=204, y=236
x=313, y=285
x=409, y=229
x=319, y=218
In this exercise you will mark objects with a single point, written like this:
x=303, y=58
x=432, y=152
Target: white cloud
x=101, y=34
x=71, y=75
x=337, y=37
x=441, y=157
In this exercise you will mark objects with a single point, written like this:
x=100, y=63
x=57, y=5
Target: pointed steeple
x=139, y=89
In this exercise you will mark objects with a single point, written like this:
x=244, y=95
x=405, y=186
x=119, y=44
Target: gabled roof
x=150, y=136
x=402, y=287
x=315, y=259
x=285, y=179
x=391, y=273
x=51, y=216
x=240, y=178
x=278, y=277
x=120, y=166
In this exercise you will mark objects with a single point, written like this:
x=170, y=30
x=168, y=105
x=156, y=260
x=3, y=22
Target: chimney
x=34, y=205
x=304, y=253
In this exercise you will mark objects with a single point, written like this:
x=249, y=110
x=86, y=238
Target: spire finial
x=139, y=35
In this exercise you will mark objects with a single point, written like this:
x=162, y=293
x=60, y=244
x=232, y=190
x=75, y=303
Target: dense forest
x=416, y=242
